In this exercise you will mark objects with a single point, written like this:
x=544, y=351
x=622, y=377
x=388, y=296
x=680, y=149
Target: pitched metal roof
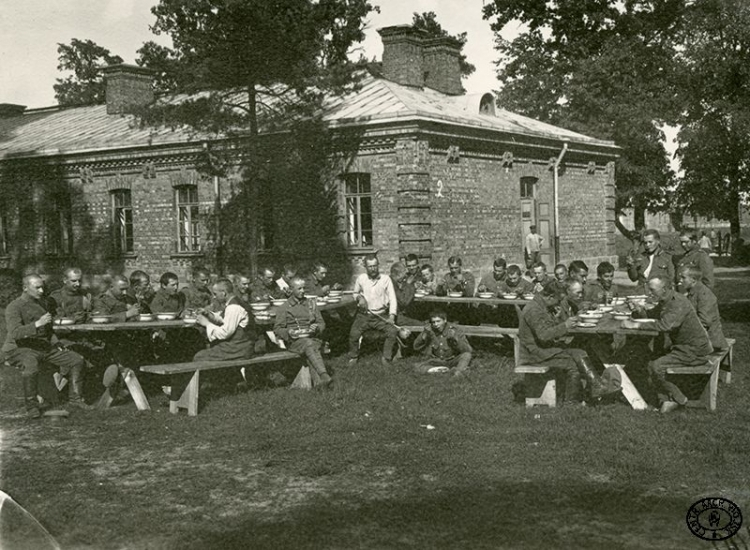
x=56, y=131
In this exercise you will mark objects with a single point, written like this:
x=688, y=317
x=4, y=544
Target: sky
x=31, y=30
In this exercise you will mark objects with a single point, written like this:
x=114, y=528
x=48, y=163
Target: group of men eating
x=383, y=302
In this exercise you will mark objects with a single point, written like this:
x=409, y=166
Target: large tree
x=84, y=59
x=243, y=63
x=715, y=135
x=601, y=67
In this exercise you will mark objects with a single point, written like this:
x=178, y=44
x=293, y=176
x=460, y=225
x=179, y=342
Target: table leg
x=134, y=387
x=629, y=390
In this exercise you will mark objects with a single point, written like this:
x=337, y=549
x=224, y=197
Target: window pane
x=351, y=185
x=364, y=183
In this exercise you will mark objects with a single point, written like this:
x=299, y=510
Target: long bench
x=189, y=396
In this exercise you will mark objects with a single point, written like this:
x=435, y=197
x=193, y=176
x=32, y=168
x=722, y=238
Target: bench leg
x=303, y=381
x=136, y=392
x=708, y=397
x=629, y=390
x=189, y=398
x=541, y=389
x=726, y=374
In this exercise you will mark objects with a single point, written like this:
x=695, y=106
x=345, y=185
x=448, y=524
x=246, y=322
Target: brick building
x=436, y=173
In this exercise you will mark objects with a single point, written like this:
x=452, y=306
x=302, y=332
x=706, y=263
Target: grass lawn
x=388, y=459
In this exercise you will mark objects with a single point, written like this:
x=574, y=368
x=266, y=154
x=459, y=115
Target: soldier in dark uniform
x=695, y=257
x=140, y=290
x=167, y=299
x=70, y=300
x=705, y=304
x=197, y=295
x=458, y=280
x=30, y=344
x=578, y=271
x=443, y=345
x=690, y=346
x=302, y=313
x=492, y=281
x=541, y=277
x=116, y=302
x=544, y=340
x=315, y=284
x=412, y=269
x=514, y=283
x=603, y=290
x=264, y=287
x=652, y=261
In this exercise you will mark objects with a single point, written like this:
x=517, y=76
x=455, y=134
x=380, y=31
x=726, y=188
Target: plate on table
x=528, y=296
x=644, y=320
x=437, y=370
x=190, y=320
x=260, y=306
x=166, y=316
x=455, y=294
x=510, y=296
x=146, y=317
x=334, y=293
x=100, y=319
x=277, y=303
x=333, y=299
x=604, y=309
x=621, y=316
x=486, y=295
x=586, y=325
x=299, y=333
x=420, y=294
x=65, y=321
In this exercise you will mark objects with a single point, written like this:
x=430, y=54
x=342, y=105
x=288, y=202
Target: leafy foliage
x=427, y=21
x=715, y=134
x=601, y=67
x=86, y=85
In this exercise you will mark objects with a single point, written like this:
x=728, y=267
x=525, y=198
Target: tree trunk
x=734, y=224
x=630, y=235
x=251, y=181
x=639, y=218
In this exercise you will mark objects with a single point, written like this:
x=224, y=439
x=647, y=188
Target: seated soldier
x=690, y=346
x=140, y=289
x=603, y=290
x=242, y=287
x=229, y=332
x=541, y=277
x=443, y=345
x=297, y=313
x=167, y=299
x=571, y=302
x=197, y=295
x=458, y=280
x=705, y=304
x=404, y=294
x=285, y=281
x=116, y=302
x=492, y=281
x=578, y=271
x=412, y=269
x=264, y=288
x=71, y=300
x=31, y=345
x=315, y=284
x=695, y=256
x=561, y=277
x=376, y=298
x=428, y=282
x=515, y=283
x=545, y=341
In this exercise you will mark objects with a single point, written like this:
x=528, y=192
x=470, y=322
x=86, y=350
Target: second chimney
x=128, y=86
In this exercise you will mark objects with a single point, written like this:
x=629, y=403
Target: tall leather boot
x=29, y=396
x=593, y=382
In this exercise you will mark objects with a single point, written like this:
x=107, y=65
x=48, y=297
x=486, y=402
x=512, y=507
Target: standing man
x=652, y=261
x=376, y=298
x=297, y=313
x=457, y=280
x=197, y=295
x=690, y=346
x=533, y=247
x=603, y=290
x=544, y=340
x=705, y=304
x=70, y=300
x=30, y=344
x=696, y=257
x=492, y=281
x=443, y=345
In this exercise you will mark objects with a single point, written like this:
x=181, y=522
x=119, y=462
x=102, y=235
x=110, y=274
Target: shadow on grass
x=512, y=515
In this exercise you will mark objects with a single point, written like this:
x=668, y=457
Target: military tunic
x=463, y=282
x=301, y=314
x=521, y=287
x=163, y=302
x=595, y=292
x=706, y=306
x=662, y=266
x=106, y=304
x=491, y=284
x=75, y=305
x=700, y=259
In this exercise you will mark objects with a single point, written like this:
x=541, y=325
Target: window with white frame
x=188, y=219
x=122, y=221
x=358, y=210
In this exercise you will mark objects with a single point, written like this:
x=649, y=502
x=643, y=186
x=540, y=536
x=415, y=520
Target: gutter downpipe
x=555, y=189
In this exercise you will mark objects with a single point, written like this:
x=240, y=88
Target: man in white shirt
x=230, y=332
x=376, y=309
x=533, y=246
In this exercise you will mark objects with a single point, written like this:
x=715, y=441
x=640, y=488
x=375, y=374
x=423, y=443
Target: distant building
x=437, y=173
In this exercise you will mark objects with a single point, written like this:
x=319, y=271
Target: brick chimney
x=411, y=58
x=441, y=68
x=128, y=86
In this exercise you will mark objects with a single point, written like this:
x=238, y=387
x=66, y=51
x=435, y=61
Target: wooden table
x=518, y=303
x=347, y=300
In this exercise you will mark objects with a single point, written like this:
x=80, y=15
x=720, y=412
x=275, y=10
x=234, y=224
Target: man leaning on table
x=30, y=346
x=690, y=346
x=376, y=309
x=116, y=302
x=492, y=281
